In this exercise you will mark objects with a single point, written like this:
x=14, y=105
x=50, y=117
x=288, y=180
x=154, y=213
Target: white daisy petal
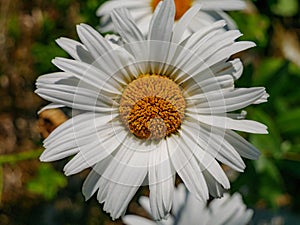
x=125, y=26
x=226, y=210
x=96, y=151
x=216, y=145
x=87, y=73
x=108, y=6
x=224, y=5
x=93, y=41
x=211, y=12
x=263, y=99
x=121, y=179
x=182, y=24
x=233, y=67
x=51, y=106
x=76, y=133
x=225, y=53
x=243, y=147
x=134, y=220
x=93, y=181
x=232, y=100
x=162, y=22
x=217, y=43
x=119, y=197
x=187, y=168
x=228, y=123
x=200, y=36
x=215, y=188
x=75, y=49
x=74, y=97
x=206, y=161
x=161, y=182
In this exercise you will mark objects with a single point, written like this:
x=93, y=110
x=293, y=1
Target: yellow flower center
x=181, y=7
x=152, y=107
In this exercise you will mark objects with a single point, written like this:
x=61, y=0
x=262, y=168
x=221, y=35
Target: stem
x=12, y=158
x=291, y=156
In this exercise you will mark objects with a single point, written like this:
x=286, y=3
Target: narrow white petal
x=51, y=106
x=215, y=188
x=228, y=123
x=76, y=98
x=162, y=22
x=225, y=101
x=212, y=141
x=78, y=131
x=137, y=220
x=93, y=41
x=243, y=147
x=206, y=161
x=108, y=141
x=225, y=53
x=233, y=67
x=161, y=178
x=179, y=198
x=263, y=99
x=118, y=199
x=88, y=74
x=187, y=167
x=125, y=25
x=183, y=23
x=75, y=49
x=197, y=37
x=92, y=181
x=121, y=179
x=223, y=4
x=108, y=6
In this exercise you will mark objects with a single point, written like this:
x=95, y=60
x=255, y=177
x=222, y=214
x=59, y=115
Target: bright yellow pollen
x=181, y=7
x=152, y=107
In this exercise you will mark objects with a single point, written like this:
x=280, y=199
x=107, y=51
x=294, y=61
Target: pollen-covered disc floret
x=152, y=107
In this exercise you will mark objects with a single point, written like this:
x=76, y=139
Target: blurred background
x=35, y=193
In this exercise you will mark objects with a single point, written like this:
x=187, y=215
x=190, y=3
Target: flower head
x=145, y=109
x=142, y=11
x=189, y=210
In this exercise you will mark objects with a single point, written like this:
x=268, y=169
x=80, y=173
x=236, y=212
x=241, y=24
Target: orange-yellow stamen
x=181, y=7
x=152, y=107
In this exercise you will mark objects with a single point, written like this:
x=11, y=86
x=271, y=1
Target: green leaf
x=47, y=182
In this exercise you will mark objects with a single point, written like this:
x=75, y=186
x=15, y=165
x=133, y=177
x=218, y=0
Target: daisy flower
x=187, y=209
x=145, y=109
x=142, y=11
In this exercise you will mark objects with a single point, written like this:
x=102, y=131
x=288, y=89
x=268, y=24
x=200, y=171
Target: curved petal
x=75, y=49
x=93, y=41
x=125, y=25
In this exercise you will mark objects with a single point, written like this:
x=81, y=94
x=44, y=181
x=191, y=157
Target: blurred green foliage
x=47, y=181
